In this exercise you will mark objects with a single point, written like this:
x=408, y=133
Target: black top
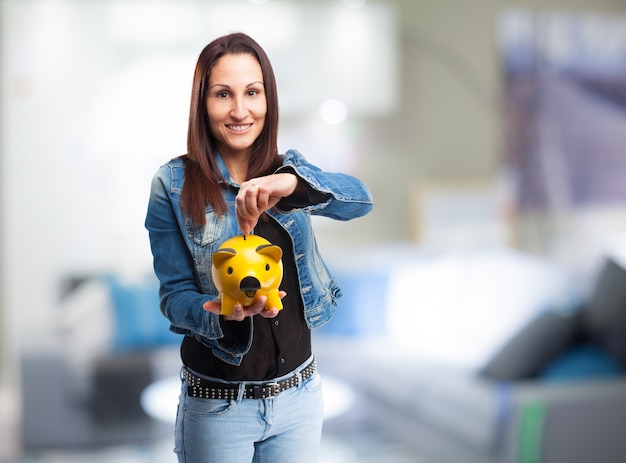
x=280, y=344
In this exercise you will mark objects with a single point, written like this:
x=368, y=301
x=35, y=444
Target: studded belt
x=204, y=389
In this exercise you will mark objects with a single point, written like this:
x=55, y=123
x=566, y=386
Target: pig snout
x=250, y=285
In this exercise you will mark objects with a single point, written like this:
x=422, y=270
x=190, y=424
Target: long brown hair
x=202, y=175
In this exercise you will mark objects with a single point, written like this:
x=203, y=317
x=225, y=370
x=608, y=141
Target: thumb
x=212, y=306
x=246, y=225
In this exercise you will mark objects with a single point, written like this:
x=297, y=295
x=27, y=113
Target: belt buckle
x=275, y=388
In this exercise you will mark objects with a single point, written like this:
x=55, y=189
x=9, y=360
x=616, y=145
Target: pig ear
x=222, y=255
x=270, y=250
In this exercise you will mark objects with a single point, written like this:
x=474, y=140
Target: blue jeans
x=285, y=429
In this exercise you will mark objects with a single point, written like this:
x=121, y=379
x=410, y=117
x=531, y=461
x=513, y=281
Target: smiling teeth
x=238, y=127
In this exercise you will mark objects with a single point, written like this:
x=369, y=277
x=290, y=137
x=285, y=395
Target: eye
x=253, y=92
x=229, y=270
x=222, y=94
x=267, y=267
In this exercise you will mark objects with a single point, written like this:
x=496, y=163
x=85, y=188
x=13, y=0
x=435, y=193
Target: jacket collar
x=221, y=165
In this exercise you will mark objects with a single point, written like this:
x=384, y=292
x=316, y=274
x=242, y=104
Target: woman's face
x=236, y=103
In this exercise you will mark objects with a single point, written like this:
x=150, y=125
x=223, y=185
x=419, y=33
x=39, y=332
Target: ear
x=270, y=250
x=222, y=255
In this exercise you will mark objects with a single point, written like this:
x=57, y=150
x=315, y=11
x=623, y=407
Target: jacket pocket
x=211, y=231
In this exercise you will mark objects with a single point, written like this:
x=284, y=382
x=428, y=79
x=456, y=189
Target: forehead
x=236, y=69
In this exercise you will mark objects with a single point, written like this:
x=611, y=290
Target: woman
x=250, y=388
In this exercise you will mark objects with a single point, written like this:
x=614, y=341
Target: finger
x=212, y=306
x=239, y=313
x=262, y=200
x=250, y=200
x=246, y=225
x=241, y=202
x=259, y=305
x=270, y=313
x=246, y=209
x=251, y=203
x=257, y=199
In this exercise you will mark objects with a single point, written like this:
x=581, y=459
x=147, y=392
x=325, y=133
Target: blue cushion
x=139, y=323
x=361, y=310
x=587, y=361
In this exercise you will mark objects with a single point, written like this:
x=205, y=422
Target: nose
x=239, y=110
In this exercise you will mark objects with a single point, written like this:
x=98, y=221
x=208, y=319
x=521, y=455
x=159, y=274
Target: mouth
x=238, y=127
x=250, y=293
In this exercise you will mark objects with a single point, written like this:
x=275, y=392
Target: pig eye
x=267, y=267
x=229, y=270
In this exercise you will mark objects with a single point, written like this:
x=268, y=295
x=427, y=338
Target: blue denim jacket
x=182, y=251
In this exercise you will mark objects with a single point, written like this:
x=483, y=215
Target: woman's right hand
x=259, y=194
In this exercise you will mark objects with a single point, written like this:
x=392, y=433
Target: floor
x=348, y=437
x=345, y=440
x=360, y=447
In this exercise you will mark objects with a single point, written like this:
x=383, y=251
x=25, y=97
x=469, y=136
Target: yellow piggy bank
x=246, y=267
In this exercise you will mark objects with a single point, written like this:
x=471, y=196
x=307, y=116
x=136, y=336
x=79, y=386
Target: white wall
x=96, y=98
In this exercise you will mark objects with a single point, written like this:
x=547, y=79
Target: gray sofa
x=447, y=414
x=553, y=392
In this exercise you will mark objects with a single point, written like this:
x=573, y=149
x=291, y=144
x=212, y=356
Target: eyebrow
x=228, y=86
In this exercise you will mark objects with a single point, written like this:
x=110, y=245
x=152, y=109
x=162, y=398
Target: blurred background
x=492, y=135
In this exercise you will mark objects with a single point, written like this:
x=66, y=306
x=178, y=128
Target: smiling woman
x=238, y=372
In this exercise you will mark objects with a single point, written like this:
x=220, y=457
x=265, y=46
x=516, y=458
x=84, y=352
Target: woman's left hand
x=240, y=312
x=259, y=194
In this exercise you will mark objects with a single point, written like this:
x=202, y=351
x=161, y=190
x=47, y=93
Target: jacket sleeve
x=181, y=298
x=339, y=196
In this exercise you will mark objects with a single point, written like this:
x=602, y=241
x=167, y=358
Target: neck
x=237, y=168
